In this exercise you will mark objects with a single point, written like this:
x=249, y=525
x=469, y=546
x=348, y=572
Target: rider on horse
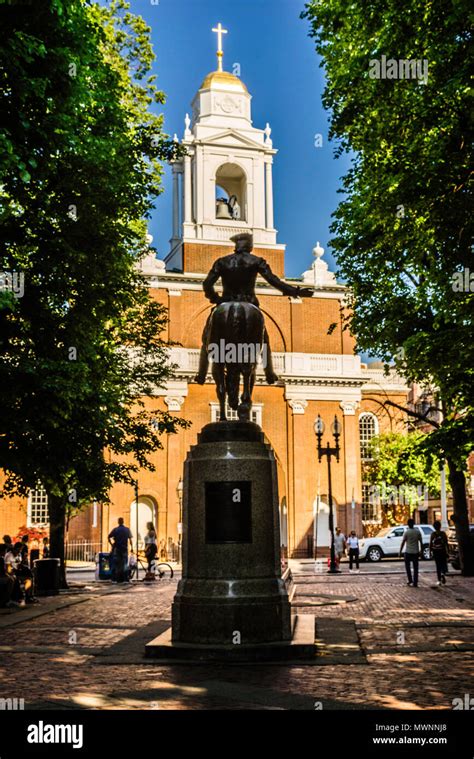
x=238, y=272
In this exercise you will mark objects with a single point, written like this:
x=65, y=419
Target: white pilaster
x=174, y=402
x=187, y=190
x=175, y=202
x=298, y=406
x=349, y=407
x=199, y=163
x=269, y=194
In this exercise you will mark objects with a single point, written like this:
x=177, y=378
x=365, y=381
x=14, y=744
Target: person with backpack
x=439, y=549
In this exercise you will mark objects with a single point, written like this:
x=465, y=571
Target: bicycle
x=162, y=569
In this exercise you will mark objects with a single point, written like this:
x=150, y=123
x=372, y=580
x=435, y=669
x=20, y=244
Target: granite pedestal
x=232, y=602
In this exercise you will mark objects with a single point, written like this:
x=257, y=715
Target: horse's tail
x=236, y=334
x=237, y=322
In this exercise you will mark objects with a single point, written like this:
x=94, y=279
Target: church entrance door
x=146, y=513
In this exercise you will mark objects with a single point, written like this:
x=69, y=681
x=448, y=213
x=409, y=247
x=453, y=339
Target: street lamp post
x=136, y=523
x=329, y=452
x=179, y=491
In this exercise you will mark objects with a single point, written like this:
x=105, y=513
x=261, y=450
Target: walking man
x=414, y=546
x=439, y=549
x=353, y=543
x=120, y=535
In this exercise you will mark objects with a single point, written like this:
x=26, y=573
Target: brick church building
x=221, y=187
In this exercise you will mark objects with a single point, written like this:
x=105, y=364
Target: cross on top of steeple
x=220, y=53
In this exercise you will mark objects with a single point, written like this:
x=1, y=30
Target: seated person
x=12, y=557
x=11, y=593
x=16, y=567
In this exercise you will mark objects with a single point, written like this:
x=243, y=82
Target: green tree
x=401, y=470
x=80, y=153
x=404, y=228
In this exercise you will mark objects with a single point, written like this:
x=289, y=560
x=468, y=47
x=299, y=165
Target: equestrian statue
x=235, y=337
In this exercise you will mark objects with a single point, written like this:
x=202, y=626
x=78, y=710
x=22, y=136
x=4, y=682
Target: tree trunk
x=57, y=524
x=457, y=480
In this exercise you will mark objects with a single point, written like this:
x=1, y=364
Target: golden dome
x=223, y=80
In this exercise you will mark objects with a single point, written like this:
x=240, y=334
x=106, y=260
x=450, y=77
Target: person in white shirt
x=414, y=547
x=151, y=547
x=353, y=545
x=13, y=558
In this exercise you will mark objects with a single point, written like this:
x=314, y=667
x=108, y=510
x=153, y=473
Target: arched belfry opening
x=231, y=192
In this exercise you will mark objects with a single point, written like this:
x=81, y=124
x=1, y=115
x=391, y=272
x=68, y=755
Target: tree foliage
x=80, y=160
x=399, y=460
x=404, y=226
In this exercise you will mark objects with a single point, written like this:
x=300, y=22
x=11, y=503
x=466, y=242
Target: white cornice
x=217, y=140
x=339, y=393
x=193, y=281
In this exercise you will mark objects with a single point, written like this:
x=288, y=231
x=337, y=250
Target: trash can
x=46, y=575
x=104, y=566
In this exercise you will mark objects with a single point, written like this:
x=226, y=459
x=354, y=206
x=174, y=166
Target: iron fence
x=81, y=550
x=304, y=549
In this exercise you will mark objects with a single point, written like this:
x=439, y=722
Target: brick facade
x=294, y=327
x=196, y=256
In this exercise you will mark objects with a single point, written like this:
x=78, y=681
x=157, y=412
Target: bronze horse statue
x=235, y=337
x=238, y=332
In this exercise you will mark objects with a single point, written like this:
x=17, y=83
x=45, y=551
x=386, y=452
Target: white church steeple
x=224, y=184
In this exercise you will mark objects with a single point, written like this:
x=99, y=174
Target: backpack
x=438, y=541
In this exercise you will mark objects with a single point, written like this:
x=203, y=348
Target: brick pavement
x=415, y=650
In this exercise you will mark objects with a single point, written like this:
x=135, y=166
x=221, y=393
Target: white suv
x=388, y=541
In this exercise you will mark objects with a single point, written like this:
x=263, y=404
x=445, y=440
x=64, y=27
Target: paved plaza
x=381, y=644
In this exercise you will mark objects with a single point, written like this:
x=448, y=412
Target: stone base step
x=301, y=646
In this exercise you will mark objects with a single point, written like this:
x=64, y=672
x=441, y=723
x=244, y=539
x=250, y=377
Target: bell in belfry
x=222, y=209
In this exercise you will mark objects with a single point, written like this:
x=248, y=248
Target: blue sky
x=281, y=70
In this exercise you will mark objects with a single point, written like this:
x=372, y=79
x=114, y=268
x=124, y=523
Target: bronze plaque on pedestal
x=228, y=512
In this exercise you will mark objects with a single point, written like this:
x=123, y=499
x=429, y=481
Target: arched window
x=231, y=192
x=368, y=427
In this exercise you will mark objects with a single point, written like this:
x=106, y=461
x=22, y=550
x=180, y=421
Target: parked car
x=388, y=541
x=453, y=547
